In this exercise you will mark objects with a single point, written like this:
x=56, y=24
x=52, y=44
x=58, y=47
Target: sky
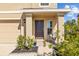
x=71, y=15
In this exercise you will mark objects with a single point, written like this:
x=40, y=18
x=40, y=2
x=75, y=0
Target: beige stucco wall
x=14, y=6
x=9, y=31
x=10, y=16
x=18, y=6
x=37, y=5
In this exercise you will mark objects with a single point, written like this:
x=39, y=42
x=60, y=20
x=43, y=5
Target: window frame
x=44, y=5
x=48, y=29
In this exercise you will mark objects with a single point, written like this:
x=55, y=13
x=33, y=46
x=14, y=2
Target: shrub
x=70, y=47
x=30, y=41
x=67, y=49
x=50, y=46
x=21, y=41
x=57, y=36
x=44, y=43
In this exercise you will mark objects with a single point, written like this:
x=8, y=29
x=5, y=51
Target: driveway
x=5, y=49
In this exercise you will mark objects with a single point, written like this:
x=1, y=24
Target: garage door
x=9, y=31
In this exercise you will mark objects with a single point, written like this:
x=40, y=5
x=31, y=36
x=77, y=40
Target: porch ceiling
x=44, y=15
x=45, y=12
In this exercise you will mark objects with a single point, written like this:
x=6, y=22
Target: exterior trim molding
x=8, y=18
x=37, y=10
x=60, y=14
x=28, y=15
x=11, y=11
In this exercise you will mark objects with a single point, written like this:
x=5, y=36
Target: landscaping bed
x=34, y=49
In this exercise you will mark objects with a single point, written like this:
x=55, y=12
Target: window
x=49, y=30
x=44, y=4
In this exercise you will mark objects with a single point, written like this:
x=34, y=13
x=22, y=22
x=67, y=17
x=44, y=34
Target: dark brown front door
x=39, y=28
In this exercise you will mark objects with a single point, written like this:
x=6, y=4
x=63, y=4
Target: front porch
x=42, y=24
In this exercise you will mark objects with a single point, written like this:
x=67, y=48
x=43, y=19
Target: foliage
x=78, y=23
x=44, y=43
x=57, y=36
x=70, y=46
x=68, y=49
x=50, y=46
x=21, y=41
x=30, y=41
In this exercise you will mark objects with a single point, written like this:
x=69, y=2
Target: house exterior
x=30, y=19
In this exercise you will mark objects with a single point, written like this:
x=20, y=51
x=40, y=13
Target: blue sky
x=73, y=6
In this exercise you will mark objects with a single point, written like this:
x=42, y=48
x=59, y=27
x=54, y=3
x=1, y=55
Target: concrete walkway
x=42, y=49
x=6, y=49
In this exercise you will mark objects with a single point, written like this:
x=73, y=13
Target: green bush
x=70, y=46
x=67, y=49
x=50, y=46
x=30, y=42
x=21, y=41
x=44, y=43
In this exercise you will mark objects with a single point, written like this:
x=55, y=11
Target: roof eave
x=37, y=10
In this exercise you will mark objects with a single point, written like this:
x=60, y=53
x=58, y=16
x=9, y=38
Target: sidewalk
x=5, y=49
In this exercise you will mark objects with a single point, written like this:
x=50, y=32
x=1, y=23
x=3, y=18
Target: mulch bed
x=34, y=49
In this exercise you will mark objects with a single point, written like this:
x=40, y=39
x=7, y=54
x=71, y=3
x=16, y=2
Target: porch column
x=61, y=26
x=22, y=28
x=45, y=28
x=54, y=26
x=28, y=24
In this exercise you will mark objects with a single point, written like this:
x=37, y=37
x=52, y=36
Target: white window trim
x=44, y=6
